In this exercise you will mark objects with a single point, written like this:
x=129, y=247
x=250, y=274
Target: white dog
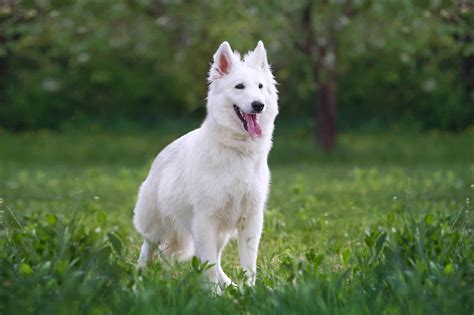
x=214, y=181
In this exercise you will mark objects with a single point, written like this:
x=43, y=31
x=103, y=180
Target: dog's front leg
x=249, y=238
x=204, y=231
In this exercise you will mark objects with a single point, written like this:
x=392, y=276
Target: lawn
x=381, y=225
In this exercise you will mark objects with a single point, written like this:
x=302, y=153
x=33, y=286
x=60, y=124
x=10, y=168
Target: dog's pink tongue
x=253, y=125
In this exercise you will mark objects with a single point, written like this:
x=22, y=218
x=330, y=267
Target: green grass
x=382, y=225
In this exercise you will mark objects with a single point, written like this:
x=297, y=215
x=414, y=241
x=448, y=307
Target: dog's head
x=242, y=94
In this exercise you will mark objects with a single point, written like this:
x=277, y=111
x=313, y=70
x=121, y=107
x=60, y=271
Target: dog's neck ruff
x=243, y=143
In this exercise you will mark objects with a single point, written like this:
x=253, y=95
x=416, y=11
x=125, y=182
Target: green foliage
x=407, y=265
x=412, y=65
x=88, y=59
x=113, y=61
x=382, y=226
x=54, y=262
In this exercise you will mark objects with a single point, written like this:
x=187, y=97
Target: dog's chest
x=238, y=175
x=233, y=185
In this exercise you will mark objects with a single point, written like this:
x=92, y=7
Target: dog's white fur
x=214, y=181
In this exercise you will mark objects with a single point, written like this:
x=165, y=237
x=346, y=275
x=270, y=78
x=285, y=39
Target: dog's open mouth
x=250, y=122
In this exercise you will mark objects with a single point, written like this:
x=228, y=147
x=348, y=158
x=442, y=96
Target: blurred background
x=92, y=90
x=341, y=64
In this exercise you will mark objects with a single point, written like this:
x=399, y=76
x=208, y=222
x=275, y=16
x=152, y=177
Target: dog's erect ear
x=223, y=61
x=258, y=57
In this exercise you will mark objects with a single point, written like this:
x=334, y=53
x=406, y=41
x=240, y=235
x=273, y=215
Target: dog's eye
x=260, y=85
x=240, y=86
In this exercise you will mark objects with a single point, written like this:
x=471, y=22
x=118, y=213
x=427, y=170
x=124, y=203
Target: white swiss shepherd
x=213, y=182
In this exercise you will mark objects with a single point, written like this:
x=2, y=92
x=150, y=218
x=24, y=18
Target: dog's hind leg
x=178, y=246
x=186, y=247
x=146, y=253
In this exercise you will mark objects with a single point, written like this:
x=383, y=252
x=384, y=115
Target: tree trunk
x=3, y=70
x=324, y=74
x=326, y=113
x=468, y=74
x=323, y=58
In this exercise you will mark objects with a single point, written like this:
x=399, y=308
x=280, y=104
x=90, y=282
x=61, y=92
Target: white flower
x=429, y=85
x=50, y=85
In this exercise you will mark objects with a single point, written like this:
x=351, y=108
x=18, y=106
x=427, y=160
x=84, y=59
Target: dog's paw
x=216, y=290
x=142, y=264
x=250, y=281
x=224, y=280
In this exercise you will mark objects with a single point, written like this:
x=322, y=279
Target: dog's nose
x=257, y=106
